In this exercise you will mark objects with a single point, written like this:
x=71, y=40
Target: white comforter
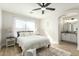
x=31, y=42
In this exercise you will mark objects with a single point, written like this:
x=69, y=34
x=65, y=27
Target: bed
x=27, y=40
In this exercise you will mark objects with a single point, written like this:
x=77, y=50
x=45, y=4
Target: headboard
x=25, y=33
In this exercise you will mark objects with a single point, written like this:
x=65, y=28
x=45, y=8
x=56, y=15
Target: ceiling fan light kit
x=43, y=8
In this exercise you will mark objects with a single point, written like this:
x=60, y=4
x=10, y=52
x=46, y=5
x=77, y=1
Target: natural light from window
x=22, y=25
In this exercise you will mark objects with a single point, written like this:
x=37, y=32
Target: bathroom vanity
x=69, y=30
x=69, y=36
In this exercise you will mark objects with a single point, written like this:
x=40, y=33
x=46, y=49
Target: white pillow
x=23, y=34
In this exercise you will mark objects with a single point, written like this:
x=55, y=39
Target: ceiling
x=25, y=8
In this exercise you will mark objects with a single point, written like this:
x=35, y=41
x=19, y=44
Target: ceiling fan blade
x=50, y=9
x=40, y=4
x=47, y=4
x=42, y=11
x=36, y=9
x=43, y=4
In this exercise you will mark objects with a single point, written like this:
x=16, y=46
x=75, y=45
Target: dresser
x=70, y=37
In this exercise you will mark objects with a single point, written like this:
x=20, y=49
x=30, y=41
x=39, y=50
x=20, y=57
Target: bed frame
x=18, y=33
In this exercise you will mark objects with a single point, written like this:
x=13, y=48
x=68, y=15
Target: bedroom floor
x=70, y=47
x=15, y=51
x=10, y=51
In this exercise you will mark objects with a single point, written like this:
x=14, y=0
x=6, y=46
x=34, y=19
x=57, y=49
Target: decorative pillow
x=23, y=34
x=28, y=33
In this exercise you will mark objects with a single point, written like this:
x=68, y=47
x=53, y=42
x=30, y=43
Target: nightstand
x=10, y=41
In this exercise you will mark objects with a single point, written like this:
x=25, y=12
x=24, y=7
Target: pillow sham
x=23, y=34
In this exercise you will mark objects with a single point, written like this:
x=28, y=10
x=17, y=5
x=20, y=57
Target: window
x=30, y=26
x=22, y=25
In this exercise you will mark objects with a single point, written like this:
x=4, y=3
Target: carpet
x=52, y=52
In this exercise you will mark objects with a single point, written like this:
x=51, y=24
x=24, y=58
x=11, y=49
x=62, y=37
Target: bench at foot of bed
x=30, y=52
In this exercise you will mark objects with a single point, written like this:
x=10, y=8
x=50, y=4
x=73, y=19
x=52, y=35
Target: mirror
x=70, y=25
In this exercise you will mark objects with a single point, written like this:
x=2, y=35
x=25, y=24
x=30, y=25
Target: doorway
x=68, y=30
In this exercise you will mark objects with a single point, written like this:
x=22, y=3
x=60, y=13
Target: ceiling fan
x=43, y=7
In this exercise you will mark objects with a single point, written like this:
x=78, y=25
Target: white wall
x=8, y=23
x=50, y=27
